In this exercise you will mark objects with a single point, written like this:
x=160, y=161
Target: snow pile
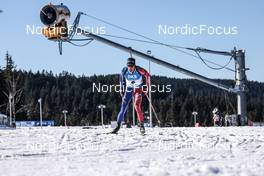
x=163, y=151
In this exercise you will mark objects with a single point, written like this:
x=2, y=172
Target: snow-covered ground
x=163, y=151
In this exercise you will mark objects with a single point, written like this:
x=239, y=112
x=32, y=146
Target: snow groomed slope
x=162, y=151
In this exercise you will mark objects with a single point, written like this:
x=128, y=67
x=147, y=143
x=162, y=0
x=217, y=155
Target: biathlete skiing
x=132, y=85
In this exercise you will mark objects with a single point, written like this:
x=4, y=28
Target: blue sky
x=36, y=53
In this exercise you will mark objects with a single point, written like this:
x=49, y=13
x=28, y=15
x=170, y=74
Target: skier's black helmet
x=131, y=61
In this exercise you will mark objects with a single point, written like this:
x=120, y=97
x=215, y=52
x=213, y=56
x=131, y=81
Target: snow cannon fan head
x=55, y=17
x=54, y=14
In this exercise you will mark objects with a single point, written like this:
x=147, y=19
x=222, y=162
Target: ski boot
x=116, y=128
x=142, y=128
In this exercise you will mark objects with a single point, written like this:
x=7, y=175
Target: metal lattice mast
x=241, y=86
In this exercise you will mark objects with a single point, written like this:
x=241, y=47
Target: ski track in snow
x=74, y=151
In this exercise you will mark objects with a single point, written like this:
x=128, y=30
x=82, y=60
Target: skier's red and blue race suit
x=132, y=83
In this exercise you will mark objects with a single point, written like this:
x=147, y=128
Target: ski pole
x=152, y=108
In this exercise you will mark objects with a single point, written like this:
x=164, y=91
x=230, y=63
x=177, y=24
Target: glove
x=121, y=93
x=145, y=89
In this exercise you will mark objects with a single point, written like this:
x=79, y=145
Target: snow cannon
x=55, y=17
